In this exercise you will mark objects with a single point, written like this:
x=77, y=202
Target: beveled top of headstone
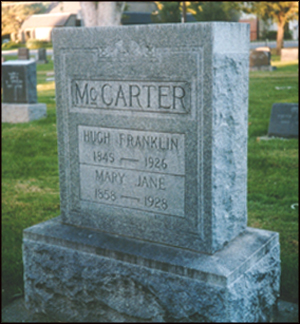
x=152, y=130
x=263, y=49
x=18, y=62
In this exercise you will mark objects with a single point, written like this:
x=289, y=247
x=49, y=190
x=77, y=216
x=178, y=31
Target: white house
x=40, y=26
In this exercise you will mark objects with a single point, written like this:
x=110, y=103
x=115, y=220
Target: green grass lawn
x=273, y=169
x=30, y=184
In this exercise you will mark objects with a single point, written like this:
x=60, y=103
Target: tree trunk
x=183, y=18
x=280, y=34
x=110, y=13
x=107, y=13
x=89, y=13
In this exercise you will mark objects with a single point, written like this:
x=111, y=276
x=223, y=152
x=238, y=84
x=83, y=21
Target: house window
x=28, y=34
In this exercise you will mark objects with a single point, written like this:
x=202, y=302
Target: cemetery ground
x=30, y=183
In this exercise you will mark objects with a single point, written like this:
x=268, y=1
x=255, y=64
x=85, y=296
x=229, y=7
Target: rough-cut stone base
x=22, y=113
x=79, y=275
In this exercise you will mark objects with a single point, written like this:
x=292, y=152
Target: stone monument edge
x=221, y=269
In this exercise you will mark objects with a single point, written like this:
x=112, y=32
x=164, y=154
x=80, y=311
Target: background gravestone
x=260, y=60
x=284, y=120
x=19, y=92
x=152, y=141
x=265, y=49
x=19, y=82
x=42, y=56
x=289, y=54
x=23, y=53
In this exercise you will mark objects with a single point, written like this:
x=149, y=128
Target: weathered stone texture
x=185, y=254
x=208, y=63
x=229, y=147
x=76, y=285
x=254, y=296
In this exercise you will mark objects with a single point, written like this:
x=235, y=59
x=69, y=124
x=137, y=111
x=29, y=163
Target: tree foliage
x=13, y=16
x=277, y=11
x=213, y=11
x=280, y=12
x=168, y=12
x=171, y=11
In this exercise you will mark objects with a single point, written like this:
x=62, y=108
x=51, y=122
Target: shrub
x=11, y=45
x=35, y=44
x=272, y=35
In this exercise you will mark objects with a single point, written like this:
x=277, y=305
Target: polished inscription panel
x=151, y=96
x=134, y=169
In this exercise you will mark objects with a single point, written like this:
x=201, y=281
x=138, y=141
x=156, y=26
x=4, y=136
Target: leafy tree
x=213, y=11
x=279, y=12
x=102, y=13
x=171, y=11
x=13, y=15
x=168, y=12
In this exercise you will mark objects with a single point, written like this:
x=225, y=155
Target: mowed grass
x=30, y=183
x=273, y=169
x=30, y=188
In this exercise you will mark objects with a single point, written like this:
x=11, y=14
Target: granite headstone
x=284, y=120
x=19, y=92
x=19, y=81
x=265, y=49
x=23, y=53
x=260, y=60
x=152, y=139
x=289, y=54
x=42, y=56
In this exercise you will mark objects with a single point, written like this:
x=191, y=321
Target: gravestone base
x=74, y=274
x=22, y=113
x=41, y=61
x=263, y=68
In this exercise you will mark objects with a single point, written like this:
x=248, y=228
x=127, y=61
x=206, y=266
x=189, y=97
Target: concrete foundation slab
x=22, y=113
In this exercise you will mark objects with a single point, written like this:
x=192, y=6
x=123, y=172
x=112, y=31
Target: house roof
x=65, y=6
x=47, y=20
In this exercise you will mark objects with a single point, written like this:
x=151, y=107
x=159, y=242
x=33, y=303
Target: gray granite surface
x=152, y=142
x=260, y=59
x=222, y=268
x=86, y=275
x=284, y=120
x=16, y=312
x=152, y=139
x=23, y=53
x=19, y=81
x=42, y=56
